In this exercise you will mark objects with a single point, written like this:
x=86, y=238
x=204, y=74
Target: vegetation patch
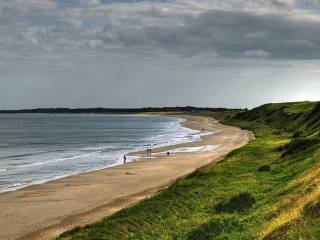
x=298, y=145
x=238, y=203
x=264, y=168
x=297, y=134
x=312, y=209
x=214, y=228
x=280, y=233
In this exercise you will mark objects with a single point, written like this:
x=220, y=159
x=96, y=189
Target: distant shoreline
x=118, y=110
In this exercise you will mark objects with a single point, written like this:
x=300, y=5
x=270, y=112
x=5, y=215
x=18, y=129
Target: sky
x=135, y=53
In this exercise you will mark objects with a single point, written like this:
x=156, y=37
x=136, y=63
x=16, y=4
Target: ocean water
x=35, y=148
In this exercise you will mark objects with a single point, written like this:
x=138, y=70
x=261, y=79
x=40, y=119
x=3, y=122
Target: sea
x=36, y=148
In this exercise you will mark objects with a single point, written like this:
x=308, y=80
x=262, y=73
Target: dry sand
x=46, y=210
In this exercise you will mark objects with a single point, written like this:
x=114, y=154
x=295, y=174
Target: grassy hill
x=296, y=116
x=268, y=189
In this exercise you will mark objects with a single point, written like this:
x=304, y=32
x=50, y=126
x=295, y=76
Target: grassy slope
x=234, y=199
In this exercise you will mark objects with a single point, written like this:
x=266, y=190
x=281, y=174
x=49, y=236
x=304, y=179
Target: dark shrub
x=264, y=168
x=238, y=203
x=312, y=209
x=299, y=144
x=277, y=132
x=280, y=148
x=297, y=134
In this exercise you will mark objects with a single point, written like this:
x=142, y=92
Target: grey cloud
x=223, y=33
x=152, y=27
x=283, y=3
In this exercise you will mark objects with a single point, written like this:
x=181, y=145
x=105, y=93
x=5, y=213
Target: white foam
x=97, y=148
x=53, y=161
x=192, y=136
x=206, y=148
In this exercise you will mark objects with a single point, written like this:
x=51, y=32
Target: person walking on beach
x=124, y=159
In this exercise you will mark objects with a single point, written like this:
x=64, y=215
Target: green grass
x=294, y=107
x=232, y=199
x=292, y=117
x=301, y=107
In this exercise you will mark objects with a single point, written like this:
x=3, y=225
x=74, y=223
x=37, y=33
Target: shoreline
x=46, y=210
x=134, y=154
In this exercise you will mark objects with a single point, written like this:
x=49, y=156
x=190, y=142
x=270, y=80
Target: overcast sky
x=131, y=53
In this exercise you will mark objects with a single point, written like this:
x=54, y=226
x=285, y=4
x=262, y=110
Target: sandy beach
x=46, y=210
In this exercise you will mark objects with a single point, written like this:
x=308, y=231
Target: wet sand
x=46, y=210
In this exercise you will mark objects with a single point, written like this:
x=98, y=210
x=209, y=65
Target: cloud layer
x=45, y=40
x=276, y=29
